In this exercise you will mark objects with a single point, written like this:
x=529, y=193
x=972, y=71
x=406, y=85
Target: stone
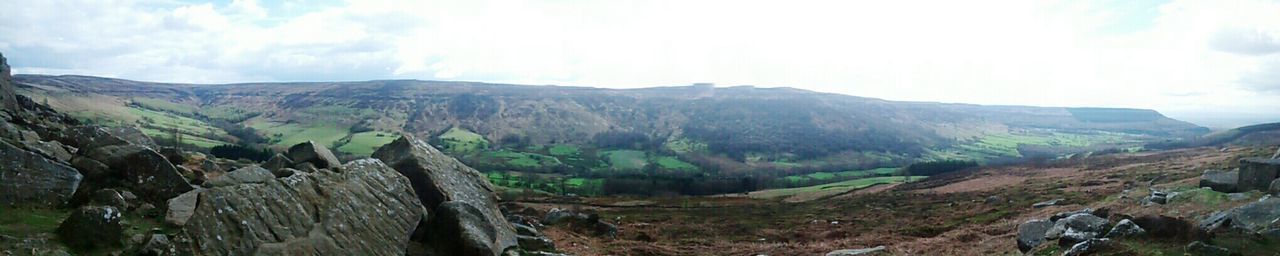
x=310, y=152
x=1076, y=228
x=8, y=97
x=50, y=149
x=1031, y=234
x=144, y=170
x=277, y=162
x=27, y=178
x=90, y=137
x=369, y=209
x=133, y=136
x=251, y=174
x=1202, y=249
x=438, y=178
x=1047, y=203
x=526, y=230
x=535, y=243
x=91, y=169
x=1257, y=173
x=1125, y=228
x=1257, y=216
x=1101, y=213
x=306, y=167
x=581, y=223
x=1275, y=187
x=182, y=207
x=459, y=228
x=854, y=252
x=175, y=156
x=157, y=245
x=110, y=197
x=1220, y=180
x=92, y=227
x=1088, y=247
x=992, y=200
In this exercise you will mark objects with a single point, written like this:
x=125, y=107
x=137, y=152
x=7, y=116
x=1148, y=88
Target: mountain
x=581, y=131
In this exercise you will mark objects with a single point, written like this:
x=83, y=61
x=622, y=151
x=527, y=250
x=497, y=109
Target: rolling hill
x=581, y=132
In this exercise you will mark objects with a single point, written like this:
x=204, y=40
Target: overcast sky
x=1213, y=62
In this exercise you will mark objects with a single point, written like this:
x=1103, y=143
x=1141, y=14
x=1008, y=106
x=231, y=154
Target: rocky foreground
x=121, y=193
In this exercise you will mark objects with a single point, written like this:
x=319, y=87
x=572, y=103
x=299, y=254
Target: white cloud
x=1184, y=56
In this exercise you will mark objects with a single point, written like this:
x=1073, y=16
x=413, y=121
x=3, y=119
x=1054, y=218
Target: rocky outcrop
x=92, y=227
x=1125, y=228
x=182, y=207
x=1076, y=228
x=8, y=99
x=144, y=170
x=1220, y=180
x=27, y=178
x=1088, y=247
x=1256, y=173
x=251, y=174
x=310, y=152
x=853, y=252
x=437, y=179
x=368, y=209
x=1257, y=217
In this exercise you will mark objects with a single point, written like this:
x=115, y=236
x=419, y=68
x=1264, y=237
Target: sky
x=1212, y=62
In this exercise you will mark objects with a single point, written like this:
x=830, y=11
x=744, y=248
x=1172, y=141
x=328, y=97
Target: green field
x=1006, y=144
x=164, y=105
x=363, y=144
x=226, y=113
x=842, y=175
x=22, y=222
x=523, y=159
x=672, y=163
x=625, y=159
x=458, y=140
x=289, y=134
x=564, y=150
x=832, y=188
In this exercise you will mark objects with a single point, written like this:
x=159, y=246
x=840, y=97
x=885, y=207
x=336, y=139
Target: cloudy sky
x=1213, y=62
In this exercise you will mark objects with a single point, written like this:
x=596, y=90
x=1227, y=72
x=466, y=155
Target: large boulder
x=438, y=178
x=1256, y=173
x=145, y=170
x=1076, y=228
x=251, y=174
x=90, y=137
x=182, y=207
x=368, y=209
x=459, y=228
x=92, y=227
x=8, y=98
x=27, y=178
x=1088, y=247
x=1257, y=217
x=310, y=152
x=1220, y=180
x=1275, y=187
x=1031, y=234
x=1125, y=228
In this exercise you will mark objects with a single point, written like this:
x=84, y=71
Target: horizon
x=1208, y=63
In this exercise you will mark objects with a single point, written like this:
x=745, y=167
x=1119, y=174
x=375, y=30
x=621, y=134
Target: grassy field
x=672, y=163
x=289, y=134
x=831, y=188
x=363, y=144
x=1006, y=144
x=21, y=222
x=564, y=150
x=625, y=159
x=523, y=159
x=164, y=105
x=842, y=175
x=458, y=140
x=226, y=113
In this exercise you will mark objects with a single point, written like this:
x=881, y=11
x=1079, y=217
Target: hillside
x=569, y=132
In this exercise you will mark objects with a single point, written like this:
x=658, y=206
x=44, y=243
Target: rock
x=369, y=209
x=1257, y=173
x=157, y=245
x=1076, y=228
x=1257, y=216
x=145, y=171
x=1202, y=249
x=526, y=230
x=175, y=156
x=251, y=174
x=1088, y=247
x=27, y=178
x=8, y=97
x=1220, y=180
x=133, y=136
x=209, y=166
x=92, y=227
x=557, y=216
x=310, y=152
x=1031, y=234
x=50, y=149
x=1101, y=213
x=438, y=178
x=1275, y=187
x=110, y=197
x=306, y=167
x=853, y=252
x=1125, y=228
x=536, y=243
x=147, y=209
x=91, y=169
x=581, y=223
x=1047, y=203
x=182, y=207
x=277, y=162
x=286, y=172
x=1237, y=196
x=1156, y=197
x=459, y=228
x=90, y=137
x=992, y=200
